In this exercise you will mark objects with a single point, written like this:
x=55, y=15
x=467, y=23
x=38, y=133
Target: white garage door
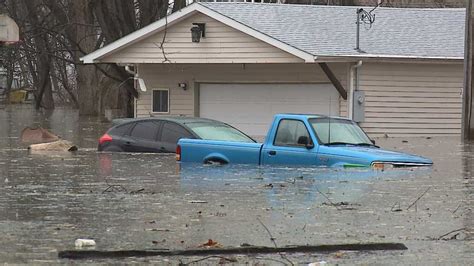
x=250, y=107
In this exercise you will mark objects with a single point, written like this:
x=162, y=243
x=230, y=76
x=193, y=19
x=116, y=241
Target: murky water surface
x=148, y=201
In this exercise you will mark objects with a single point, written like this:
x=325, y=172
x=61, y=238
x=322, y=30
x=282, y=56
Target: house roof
x=315, y=31
x=331, y=30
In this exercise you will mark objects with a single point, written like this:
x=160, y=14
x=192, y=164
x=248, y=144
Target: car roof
x=177, y=119
x=307, y=116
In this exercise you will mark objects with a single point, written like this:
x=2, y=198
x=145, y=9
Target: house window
x=160, y=101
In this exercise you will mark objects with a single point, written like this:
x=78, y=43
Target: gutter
x=345, y=58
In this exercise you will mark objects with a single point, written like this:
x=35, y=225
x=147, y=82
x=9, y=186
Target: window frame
x=153, y=98
x=292, y=146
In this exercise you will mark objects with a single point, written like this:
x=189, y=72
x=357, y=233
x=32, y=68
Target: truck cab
x=290, y=141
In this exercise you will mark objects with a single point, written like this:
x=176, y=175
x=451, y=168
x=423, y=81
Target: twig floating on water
x=137, y=191
x=411, y=205
x=269, y=233
x=197, y=201
x=396, y=209
x=210, y=257
x=112, y=188
x=324, y=195
x=95, y=254
x=274, y=242
x=450, y=232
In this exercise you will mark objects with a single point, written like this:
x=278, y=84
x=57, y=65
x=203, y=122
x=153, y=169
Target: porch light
x=198, y=31
x=183, y=85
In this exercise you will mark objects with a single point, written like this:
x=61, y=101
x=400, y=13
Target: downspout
x=354, y=86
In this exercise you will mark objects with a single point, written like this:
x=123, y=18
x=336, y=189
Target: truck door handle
x=272, y=152
x=128, y=143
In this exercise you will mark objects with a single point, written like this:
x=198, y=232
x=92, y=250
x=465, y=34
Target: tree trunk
x=179, y=4
x=85, y=37
x=44, y=96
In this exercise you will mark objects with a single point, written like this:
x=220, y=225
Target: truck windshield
x=339, y=131
x=217, y=131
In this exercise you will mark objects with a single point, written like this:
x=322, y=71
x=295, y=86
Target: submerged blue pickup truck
x=300, y=140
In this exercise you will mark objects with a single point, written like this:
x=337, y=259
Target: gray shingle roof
x=331, y=30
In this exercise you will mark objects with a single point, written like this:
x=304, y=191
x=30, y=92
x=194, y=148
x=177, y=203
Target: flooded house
x=398, y=74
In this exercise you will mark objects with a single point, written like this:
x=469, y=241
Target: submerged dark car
x=161, y=134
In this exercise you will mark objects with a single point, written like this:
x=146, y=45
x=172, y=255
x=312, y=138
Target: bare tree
x=56, y=33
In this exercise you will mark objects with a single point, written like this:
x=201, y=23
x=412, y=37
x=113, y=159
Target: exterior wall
x=412, y=99
x=401, y=99
x=185, y=102
x=222, y=44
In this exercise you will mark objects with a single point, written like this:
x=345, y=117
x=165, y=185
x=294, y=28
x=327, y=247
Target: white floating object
x=318, y=263
x=79, y=243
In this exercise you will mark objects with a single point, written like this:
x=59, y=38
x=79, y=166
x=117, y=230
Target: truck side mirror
x=373, y=141
x=305, y=141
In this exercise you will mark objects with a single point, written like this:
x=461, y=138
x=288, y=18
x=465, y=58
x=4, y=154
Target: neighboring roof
x=316, y=31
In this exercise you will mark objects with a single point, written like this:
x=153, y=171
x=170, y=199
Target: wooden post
x=467, y=110
x=334, y=80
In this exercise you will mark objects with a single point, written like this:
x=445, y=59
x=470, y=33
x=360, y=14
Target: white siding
x=412, y=99
x=222, y=44
x=251, y=107
x=184, y=102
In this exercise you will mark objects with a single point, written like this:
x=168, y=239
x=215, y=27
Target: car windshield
x=218, y=131
x=339, y=131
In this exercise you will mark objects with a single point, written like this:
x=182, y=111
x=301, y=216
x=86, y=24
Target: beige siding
x=412, y=99
x=185, y=102
x=222, y=44
x=401, y=99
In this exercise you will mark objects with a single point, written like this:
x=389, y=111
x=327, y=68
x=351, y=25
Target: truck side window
x=289, y=132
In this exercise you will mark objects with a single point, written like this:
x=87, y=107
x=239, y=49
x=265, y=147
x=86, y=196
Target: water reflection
x=307, y=186
x=466, y=207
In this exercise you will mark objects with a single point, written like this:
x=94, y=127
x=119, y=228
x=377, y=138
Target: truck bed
x=198, y=150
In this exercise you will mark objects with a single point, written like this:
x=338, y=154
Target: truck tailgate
x=201, y=151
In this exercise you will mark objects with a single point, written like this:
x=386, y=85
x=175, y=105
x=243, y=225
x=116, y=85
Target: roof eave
x=180, y=15
x=307, y=57
x=139, y=34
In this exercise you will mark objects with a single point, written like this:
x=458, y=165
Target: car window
x=172, y=132
x=289, y=133
x=218, y=131
x=331, y=130
x=145, y=130
x=121, y=129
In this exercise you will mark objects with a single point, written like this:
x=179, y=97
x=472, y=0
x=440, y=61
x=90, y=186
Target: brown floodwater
x=148, y=201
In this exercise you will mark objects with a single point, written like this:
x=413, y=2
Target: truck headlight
x=381, y=166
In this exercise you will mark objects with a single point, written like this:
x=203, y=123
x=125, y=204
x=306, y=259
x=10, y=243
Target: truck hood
x=373, y=154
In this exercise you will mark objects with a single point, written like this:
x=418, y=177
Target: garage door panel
x=251, y=107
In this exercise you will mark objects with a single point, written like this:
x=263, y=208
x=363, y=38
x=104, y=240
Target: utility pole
x=468, y=96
